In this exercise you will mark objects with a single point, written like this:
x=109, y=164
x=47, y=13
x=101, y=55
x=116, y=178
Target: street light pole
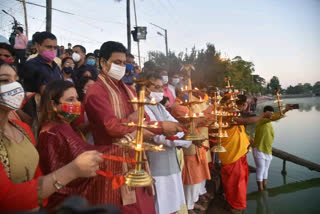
x=135, y=16
x=166, y=41
x=165, y=37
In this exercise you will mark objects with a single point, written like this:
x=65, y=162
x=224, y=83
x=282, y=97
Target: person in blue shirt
x=130, y=74
x=41, y=70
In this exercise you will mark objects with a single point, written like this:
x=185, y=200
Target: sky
x=281, y=37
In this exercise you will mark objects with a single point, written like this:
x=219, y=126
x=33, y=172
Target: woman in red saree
x=22, y=185
x=58, y=143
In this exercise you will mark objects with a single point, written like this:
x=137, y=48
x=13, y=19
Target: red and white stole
x=114, y=95
x=128, y=195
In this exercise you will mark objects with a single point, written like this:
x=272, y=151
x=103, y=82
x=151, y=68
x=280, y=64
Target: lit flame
x=138, y=146
x=156, y=124
x=135, y=99
x=161, y=146
x=194, y=115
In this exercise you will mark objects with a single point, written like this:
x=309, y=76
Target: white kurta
x=169, y=189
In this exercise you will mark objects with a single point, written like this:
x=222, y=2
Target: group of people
x=61, y=116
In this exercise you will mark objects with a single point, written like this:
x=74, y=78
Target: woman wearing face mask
x=67, y=69
x=59, y=143
x=22, y=184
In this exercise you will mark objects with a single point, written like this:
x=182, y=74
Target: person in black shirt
x=41, y=70
x=82, y=69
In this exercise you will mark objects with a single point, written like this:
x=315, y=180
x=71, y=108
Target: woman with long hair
x=22, y=184
x=58, y=143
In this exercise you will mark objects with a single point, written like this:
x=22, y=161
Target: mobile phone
x=294, y=106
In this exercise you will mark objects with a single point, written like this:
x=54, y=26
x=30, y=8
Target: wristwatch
x=57, y=184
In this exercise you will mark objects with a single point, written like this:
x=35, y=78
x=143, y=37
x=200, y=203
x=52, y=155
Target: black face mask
x=68, y=70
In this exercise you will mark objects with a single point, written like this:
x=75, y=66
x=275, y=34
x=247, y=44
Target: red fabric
x=117, y=181
x=80, y=119
x=26, y=99
x=144, y=205
x=104, y=123
x=235, y=180
x=58, y=145
x=19, y=197
x=105, y=126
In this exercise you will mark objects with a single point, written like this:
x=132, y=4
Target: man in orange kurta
x=196, y=169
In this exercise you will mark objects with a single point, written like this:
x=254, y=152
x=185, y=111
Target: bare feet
x=209, y=196
x=191, y=212
x=199, y=207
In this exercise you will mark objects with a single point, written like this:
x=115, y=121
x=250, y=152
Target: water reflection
x=263, y=206
x=263, y=203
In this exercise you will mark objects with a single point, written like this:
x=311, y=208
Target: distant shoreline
x=265, y=98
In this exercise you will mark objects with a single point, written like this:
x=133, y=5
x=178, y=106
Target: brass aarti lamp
x=278, y=101
x=138, y=177
x=192, y=134
x=219, y=125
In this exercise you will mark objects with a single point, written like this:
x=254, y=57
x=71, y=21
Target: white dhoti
x=169, y=193
x=192, y=193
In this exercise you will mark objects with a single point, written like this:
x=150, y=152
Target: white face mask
x=175, y=81
x=157, y=96
x=11, y=95
x=76, y=57
x=164, y=79
x=117, y=71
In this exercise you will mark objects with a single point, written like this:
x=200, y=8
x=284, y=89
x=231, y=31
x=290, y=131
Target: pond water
x=299, y=190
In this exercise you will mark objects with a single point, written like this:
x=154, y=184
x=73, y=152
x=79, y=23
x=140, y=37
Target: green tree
x=274, y=84
x=316, y=88
x=307, y=88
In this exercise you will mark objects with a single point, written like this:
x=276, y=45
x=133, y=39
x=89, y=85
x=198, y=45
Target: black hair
x=164, y=100
x=39, y=38
x=20, y=29
x=96, y=53
x=242, y=99
x=90, y=54
x=65, y=59
x=110, y=47
x=53, y=92
x=149, y=66
x=268, y=108
x=8, y=48
x=130, y=55
x=83, y=49
x=80, y=86
x=152, y=76
x=35, y=38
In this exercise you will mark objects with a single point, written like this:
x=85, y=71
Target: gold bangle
x=39, y=191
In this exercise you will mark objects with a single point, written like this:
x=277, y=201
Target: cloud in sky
x=281, y=38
